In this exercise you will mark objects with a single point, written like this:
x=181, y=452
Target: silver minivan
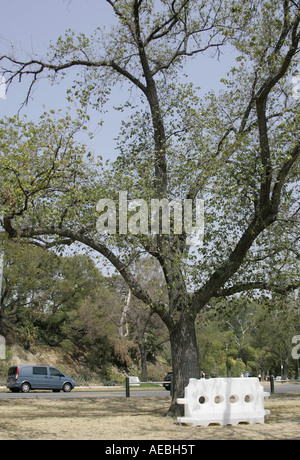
x=26, y=378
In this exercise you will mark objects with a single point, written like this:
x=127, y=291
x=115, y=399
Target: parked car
x=168, y=378
x=26, y=378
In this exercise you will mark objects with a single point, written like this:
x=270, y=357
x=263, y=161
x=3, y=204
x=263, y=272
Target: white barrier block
x=227, y=401
x=134, y=381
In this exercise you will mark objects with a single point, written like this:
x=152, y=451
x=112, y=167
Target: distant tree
x=278, y=322
x=49, y=298
x=260, y=331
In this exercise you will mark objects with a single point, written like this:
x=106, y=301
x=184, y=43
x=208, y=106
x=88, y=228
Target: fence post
x=272, y=384
x=127, y=386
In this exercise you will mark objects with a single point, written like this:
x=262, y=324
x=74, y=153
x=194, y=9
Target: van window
x=55, y=372
x=12, y=370
x=39, y=370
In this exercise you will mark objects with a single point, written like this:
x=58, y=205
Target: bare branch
x=276, y=75
x=166, y=27
x=70, y=236
x=283, y=173
x=37, y=67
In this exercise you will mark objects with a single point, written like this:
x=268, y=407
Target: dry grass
x=133, y=419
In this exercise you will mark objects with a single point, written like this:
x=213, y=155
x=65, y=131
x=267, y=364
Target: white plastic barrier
x=224, y=401
x=134, y=381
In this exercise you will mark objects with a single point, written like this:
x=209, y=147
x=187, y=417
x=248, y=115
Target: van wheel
x=25, y=388
x=67, y=387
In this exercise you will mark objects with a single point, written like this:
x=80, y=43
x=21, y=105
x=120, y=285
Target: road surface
x=80, y=394
x=286, y=387
x=120, y=393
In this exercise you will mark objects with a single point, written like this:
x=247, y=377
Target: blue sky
x=28, y=26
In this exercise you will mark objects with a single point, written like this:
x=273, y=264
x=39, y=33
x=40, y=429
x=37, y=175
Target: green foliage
x=241, y=334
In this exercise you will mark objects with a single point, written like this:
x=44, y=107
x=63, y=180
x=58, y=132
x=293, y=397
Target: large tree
x=238, y=150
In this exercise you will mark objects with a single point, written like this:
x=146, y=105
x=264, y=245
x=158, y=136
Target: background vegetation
x=65, y=303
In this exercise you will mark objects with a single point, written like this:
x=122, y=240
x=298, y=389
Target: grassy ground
x=133, y=419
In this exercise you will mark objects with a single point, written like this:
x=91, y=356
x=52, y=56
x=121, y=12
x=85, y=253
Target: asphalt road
x=84, y=394
x=286, y=387
x=134, y=393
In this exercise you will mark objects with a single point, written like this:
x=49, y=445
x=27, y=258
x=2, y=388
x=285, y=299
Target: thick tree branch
x=265, y=154
x=232, y=264
x=36, y=67
x=72, y=236
x=277, y=74
x=282, y=175
x=261, y=285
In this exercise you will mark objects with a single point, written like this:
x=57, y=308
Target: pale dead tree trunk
x=123, y=320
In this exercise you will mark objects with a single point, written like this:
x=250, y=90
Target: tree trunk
x=123, y=319
x=185, y=358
